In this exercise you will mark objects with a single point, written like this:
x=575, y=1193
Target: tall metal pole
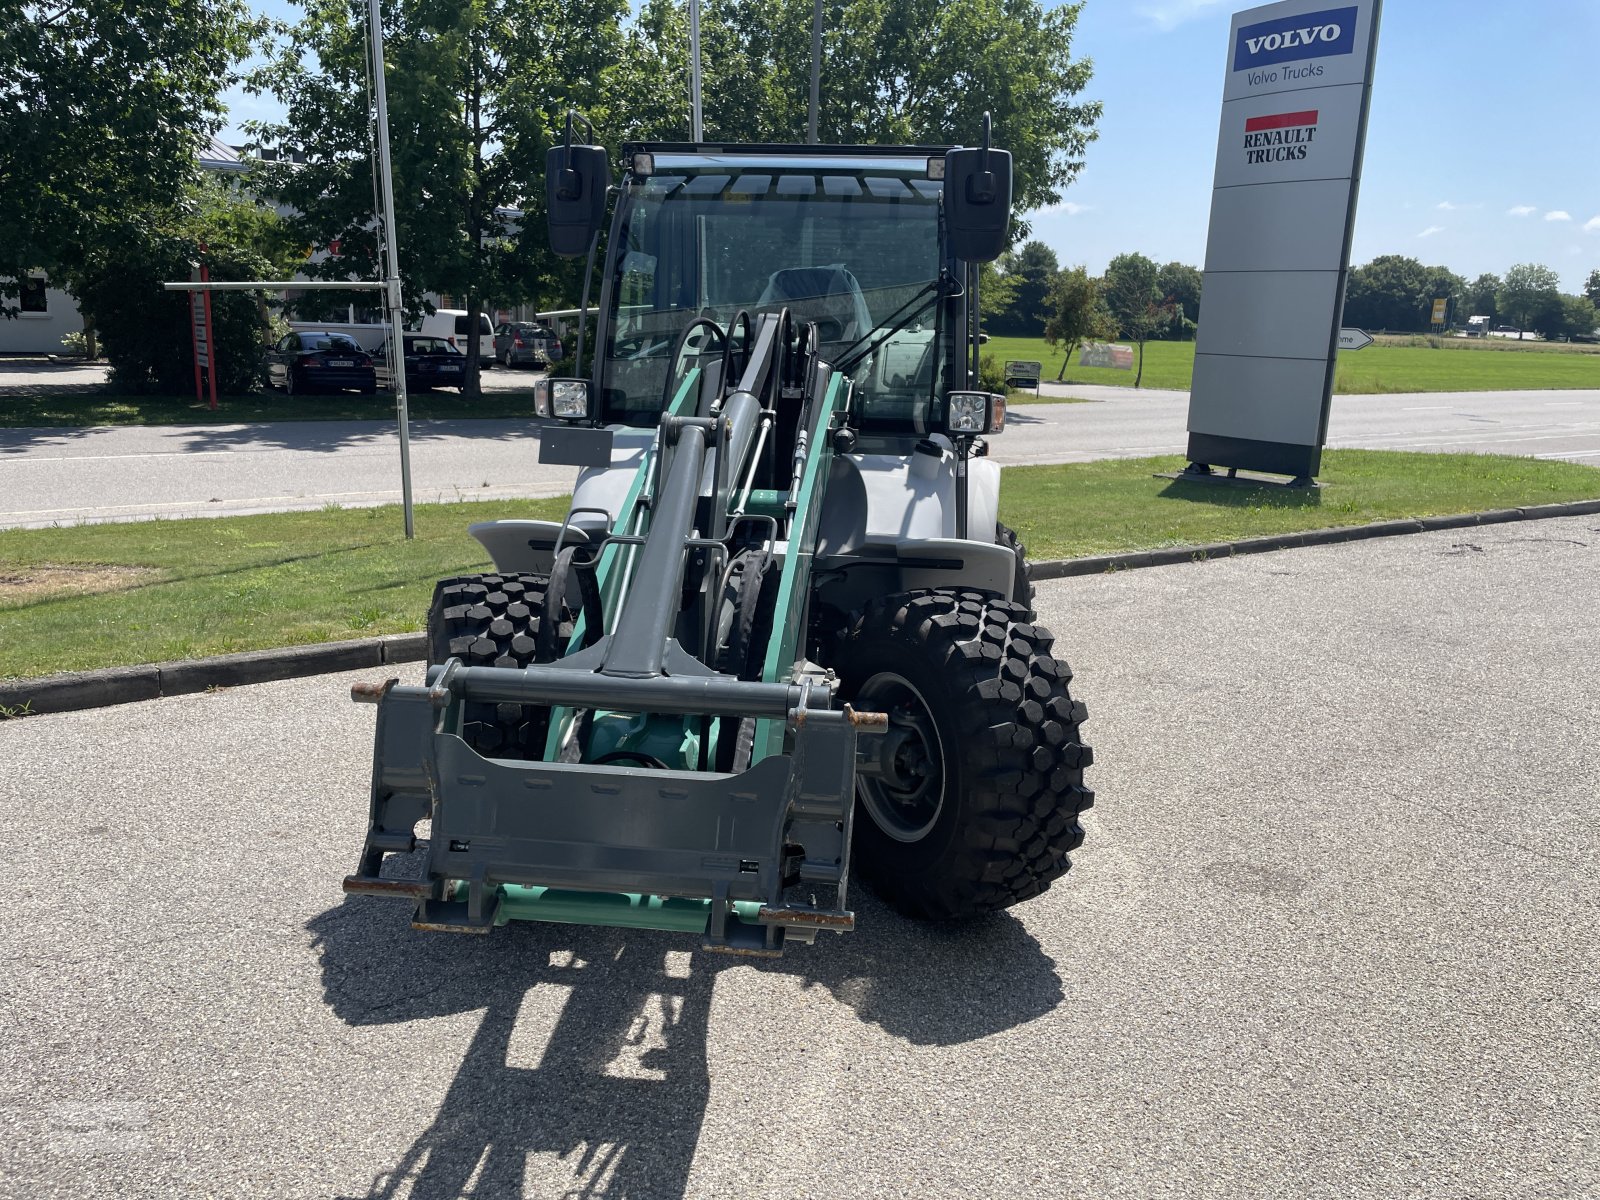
x=696, y=130
x=391, y=281
x=816, y=71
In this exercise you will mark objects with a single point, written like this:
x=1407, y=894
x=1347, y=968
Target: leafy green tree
x=1135, y=300
x=1482, y=296
x=1591, y=287
x=1570, y=317
x=1394, y=291
x=894, y=71
x=1077, y=313
x=145, y=331
x=1029, y=271
x=103, y=106
x=487, y=84
x=1179, y=284
x=1530, y=295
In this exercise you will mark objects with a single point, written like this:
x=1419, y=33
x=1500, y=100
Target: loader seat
x=828, y=295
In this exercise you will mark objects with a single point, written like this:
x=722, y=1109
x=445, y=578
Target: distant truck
x=1478, y=326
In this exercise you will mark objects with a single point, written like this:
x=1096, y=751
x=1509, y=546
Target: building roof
x=217, y=156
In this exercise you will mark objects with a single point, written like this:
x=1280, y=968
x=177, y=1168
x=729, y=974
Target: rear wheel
x=970, y=802
x=291, y=385
x=493, y=621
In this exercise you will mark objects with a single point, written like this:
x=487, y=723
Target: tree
x=103, y=104
x=1570, y=317
x=1029, y=271
x=1077, y=313
x=1134, y=300
x=1591, y=287
x=1397, y=292
x=1530, y=295
x=487, y=87
x=1179, y=285
x=145, y=331
x=912, y=72
x=1481, y=297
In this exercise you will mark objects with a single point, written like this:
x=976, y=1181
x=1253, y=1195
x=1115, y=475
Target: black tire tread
x=1022, y=755
x=493, y=621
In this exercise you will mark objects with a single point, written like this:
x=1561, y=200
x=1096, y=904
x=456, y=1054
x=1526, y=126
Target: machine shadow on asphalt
x=619, y=1090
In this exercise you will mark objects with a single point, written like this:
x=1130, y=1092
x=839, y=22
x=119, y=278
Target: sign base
x=1275, y=458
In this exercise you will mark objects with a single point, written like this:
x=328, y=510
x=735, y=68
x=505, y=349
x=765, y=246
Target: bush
x=145, y=332
x=992, y=375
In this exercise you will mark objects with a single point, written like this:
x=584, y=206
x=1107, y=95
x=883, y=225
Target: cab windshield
x=848, y=249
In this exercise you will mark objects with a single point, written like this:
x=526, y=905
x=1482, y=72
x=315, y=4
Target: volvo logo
x=1287, y=39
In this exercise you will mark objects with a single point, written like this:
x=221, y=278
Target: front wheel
x=970, y=802
x=494, y=621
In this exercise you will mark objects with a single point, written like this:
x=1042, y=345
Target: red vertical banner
x=200, y=329
x=211, y=366
x=197, y=332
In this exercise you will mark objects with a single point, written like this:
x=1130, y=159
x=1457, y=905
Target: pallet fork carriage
x=780, y=633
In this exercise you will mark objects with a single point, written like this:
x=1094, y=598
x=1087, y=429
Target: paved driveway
x=208, y=470
x=1334, y=934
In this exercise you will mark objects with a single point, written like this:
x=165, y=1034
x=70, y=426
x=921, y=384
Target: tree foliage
x=103, y=107
x=145, y=331
x=1135, y=301
x=1530, y=297
x=910, y=72
x=1591, y=287
x=1077, y=313
x=1029, y=272
x=478, y=92
x=1394, y=291
x=1481, y=298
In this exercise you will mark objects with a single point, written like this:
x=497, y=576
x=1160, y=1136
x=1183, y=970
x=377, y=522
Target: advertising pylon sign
x=1294, y=119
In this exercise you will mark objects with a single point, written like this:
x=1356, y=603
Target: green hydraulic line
x=624, y=910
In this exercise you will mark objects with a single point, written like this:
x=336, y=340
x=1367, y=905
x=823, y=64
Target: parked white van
x=451, y=325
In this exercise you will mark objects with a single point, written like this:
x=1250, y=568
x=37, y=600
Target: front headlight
x=569, y=399
x=967, y=413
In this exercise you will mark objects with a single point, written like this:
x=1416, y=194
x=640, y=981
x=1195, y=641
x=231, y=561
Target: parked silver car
x=518, y=342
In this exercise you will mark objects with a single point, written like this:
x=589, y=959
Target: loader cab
x=847, y=239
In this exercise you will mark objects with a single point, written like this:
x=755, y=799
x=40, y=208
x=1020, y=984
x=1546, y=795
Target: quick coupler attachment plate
x=518, y=840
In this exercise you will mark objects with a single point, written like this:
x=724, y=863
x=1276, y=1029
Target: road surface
x=207, y=470
x=1333, y=935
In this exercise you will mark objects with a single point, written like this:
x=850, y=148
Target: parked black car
x=320, y=362
x=430, y=362
x=524, y=342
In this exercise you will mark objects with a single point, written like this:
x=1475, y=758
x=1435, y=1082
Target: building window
x=33, y=296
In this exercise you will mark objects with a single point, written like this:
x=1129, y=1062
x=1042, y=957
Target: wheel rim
x=902, y=784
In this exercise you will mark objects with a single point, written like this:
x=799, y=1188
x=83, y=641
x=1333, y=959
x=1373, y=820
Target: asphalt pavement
x=62, y=476
x=1334, y=934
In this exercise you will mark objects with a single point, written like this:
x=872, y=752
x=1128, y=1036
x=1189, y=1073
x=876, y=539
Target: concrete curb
x=1065, y=568
x=120, y=685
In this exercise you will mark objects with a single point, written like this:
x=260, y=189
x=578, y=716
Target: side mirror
x=977, y=200
x=575, y=183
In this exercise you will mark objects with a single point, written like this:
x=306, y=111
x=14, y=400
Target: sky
x=1483, y=145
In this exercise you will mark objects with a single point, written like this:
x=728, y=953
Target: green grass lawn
x=1393, y=365
x=77, y=409
x=1116, y=504
x=107, y=595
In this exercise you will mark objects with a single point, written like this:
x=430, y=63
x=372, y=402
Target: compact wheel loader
x=781, y=633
